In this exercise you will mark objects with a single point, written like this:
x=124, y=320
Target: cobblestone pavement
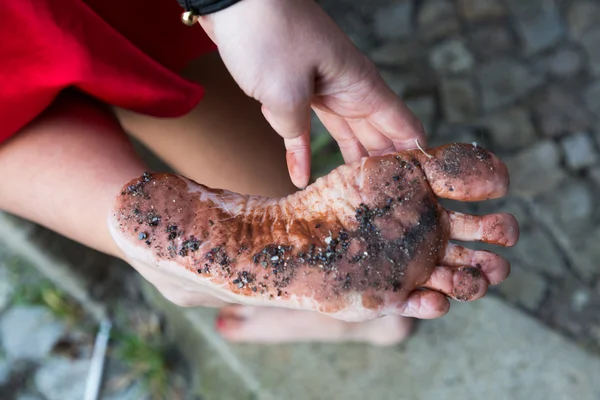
x=521, y=78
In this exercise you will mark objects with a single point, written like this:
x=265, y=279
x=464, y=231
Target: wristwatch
x=195, y=8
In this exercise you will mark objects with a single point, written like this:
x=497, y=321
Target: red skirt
x=126, y=53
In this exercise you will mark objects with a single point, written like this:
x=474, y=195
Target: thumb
x=294, y=127
x=289, y=122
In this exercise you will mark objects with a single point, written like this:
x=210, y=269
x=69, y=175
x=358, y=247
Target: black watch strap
x=204, y=7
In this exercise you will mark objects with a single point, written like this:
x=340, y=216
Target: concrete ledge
x=485, y=349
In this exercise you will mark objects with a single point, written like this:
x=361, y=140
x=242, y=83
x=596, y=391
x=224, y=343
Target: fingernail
x=297, y=170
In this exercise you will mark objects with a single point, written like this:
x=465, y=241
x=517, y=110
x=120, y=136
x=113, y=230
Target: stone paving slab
x=485, y=349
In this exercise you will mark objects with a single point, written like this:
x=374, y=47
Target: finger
x=463, y=283
x=464, y=172
x=289, y=121
x=374, y=141
x=395, y=120
x=298, y=159
x=501, y=229
x=495, y=267
x=425, y=304
x=350, y=147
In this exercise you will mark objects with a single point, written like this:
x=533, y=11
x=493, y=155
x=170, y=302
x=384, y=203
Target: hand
x=291, y=57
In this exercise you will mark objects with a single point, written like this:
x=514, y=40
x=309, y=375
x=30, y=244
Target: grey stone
x=424, y=108
x=586, y=254
x=437, y=19
x=459, y=100
x=29, y=397
x=564, y=62
x=581, y=16
x=524, y=287
x=61, y=379
x=356, y=28
x=504, y=81
x=133, y=392
x=571, y=309
x=5, y=370
x=516, y=209
x=594, y=174
x=591, y=96
x=579, y=151
x=396, y=54
x=536, y=250
x=394, y=20
x=580, y=299
x=481, y=9
x=29, y=332
x=491, y=41
x=451, y=133
x=6, y=288
x=538, y=23
x=573, y=208
x=395, y=81
x=451, y=57
x=591, y=43
x=560, y=111
x=511, y=129
x=535, y=170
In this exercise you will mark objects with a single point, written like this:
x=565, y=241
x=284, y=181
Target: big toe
x=465, y=172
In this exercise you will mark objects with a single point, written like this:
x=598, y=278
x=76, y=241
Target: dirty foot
x=367, y=240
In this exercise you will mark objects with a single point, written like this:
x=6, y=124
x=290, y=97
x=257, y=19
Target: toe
x=463, y=284
x=425, y=304
x=230, y=321
x=465, y=172
x=495, y=268
x=501, y=229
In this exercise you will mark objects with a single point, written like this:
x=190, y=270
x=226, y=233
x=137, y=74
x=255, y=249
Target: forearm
x=64, y=170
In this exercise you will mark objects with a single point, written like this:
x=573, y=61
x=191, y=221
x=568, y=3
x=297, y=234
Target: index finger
x=395, y=120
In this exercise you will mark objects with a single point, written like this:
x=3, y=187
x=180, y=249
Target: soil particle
x=172, y=231
x=137, y=189
x=153, y=219
x=456, y=157
x=218, y=255
x=190, y=245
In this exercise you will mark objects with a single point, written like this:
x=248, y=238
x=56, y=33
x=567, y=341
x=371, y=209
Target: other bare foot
x=269, y=325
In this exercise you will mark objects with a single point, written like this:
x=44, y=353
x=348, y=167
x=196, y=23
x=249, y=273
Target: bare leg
x=64, y=170
x=226, y=143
